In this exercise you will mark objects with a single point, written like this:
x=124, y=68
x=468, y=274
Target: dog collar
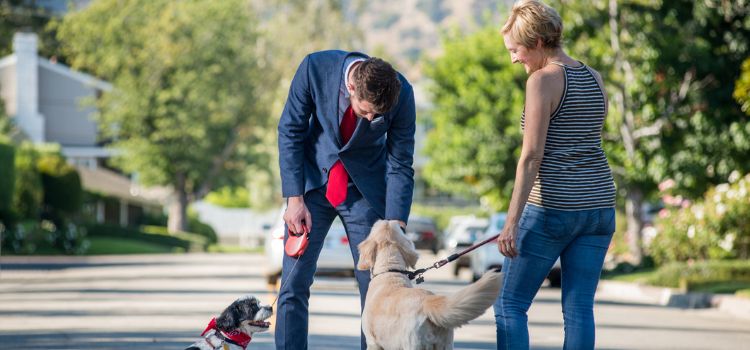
x=235, y=337
x=409, y=274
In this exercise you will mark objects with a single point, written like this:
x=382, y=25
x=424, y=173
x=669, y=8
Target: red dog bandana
x=236, y=337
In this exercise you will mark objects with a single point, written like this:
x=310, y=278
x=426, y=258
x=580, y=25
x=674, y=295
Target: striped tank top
x=574, y=174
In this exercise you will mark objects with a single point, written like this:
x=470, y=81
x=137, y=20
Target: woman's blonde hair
x=531, y=20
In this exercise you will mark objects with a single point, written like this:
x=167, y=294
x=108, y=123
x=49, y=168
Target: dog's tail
x=465, y=305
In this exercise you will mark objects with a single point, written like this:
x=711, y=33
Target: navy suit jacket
x=379, y=155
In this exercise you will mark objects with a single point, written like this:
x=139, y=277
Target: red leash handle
x=296, y=243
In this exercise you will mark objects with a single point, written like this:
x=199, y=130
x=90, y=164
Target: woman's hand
x=506, y=242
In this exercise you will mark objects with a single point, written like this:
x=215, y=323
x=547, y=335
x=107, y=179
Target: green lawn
x=102, y=245
x=636, y=277
x=722, y=287
x=115, y=245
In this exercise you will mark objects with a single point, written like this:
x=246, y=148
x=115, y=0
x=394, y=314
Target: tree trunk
x=178, y=207
x=633, y=205
x=630, y=139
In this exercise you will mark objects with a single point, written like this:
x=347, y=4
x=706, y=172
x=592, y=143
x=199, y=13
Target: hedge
x=151, y=234
x=28, y=192
x=7, y=176
x=702, y=273
x=202, y=229
x=63, y=191
x=197, y=242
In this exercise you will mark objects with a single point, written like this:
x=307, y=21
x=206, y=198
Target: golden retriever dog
x=399, y=316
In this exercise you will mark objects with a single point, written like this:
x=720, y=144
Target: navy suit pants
x=292, y=315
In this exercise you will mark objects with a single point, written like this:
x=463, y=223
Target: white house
x=47, y=101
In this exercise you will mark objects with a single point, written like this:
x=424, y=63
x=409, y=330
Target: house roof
x=63, y=70
x=109, y=183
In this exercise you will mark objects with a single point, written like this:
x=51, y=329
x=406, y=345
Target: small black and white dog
x=234, y=328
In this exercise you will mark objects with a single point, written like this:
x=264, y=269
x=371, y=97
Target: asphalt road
x=165, y=301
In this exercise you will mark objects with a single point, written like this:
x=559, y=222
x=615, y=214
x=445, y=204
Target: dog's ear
x=368, y=249
x=367, y=252
x=240, y=310
x=229, y=319
x=404, y=244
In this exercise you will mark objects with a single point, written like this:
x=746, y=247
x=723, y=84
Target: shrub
x=7, y=183
x=200, y=228
x=728, y=207
x=28, y=192
x=716, y=227
x=13, y=238
x=7, y=175
x=691, y=276
x=195, y=242
x=154, y=219
x=151, y=234
x=686, y=234
x=31, y=236
x=69, y=237
x=63, y=192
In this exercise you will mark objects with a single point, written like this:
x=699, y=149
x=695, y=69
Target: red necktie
x=338, y=178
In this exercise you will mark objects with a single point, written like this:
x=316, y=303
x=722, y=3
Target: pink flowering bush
x=715, y=227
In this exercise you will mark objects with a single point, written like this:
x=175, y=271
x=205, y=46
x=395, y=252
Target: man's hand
x=296, y=216
x=403, y=226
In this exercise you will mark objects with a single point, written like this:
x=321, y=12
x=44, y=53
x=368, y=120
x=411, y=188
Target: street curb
x=672, y=297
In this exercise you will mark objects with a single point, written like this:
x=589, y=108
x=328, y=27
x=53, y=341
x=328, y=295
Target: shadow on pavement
x=28, y=266
x=98, y=340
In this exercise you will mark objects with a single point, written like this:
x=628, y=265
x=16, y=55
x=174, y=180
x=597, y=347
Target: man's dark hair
x=375, y=81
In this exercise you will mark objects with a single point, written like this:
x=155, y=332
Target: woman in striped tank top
x=563, y=199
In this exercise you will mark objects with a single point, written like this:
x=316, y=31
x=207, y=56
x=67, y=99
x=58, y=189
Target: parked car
x=424, y=233
x=488, y=257
x=334, y=257
x=462, y=233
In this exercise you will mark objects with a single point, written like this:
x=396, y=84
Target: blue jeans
x=292, y=314
x=580, y=239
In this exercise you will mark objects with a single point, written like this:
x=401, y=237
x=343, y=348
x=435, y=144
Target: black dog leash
x=419, y=274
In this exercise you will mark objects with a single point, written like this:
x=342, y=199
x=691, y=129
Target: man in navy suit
x=346, y=147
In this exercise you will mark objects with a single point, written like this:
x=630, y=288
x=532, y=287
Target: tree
x=325, y=26
x=191, y=91
x=23, y=15
x=742, y=87
x=670, y=116
x=475, y=136
x=671, y=112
